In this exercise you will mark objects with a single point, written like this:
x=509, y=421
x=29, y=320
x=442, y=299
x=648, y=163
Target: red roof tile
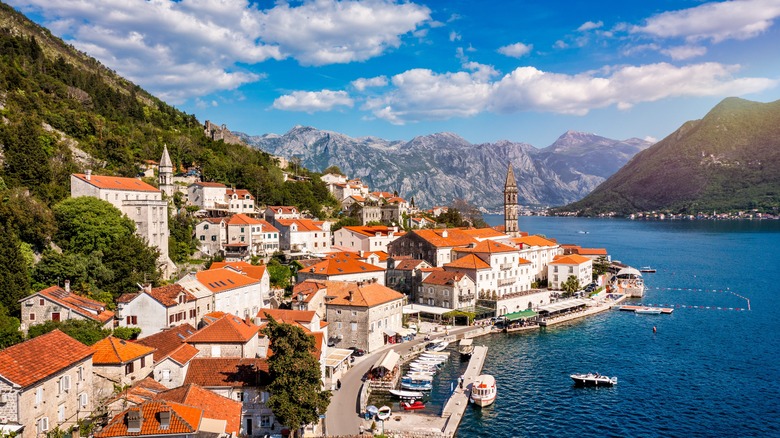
x=342, y=264
x=86, y=307
x=304, y=225
x=214, y=405
x=117, y=183
x=167, y=341
x=115, y=351
x=34, y=360
x=487, y=246
x=184, y=420
x=141, y=391
x=571, y=259
x=242, y=219
x=445, y=237
x=468, y=262
x=227, y=372
x=408, y=265
x=443, y=278
x=369, y=295
x=168, y=295
x=287, y=316
x=255, y=271
x=228, y=329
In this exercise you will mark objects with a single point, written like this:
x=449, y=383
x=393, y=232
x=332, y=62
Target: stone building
x=154, y=309
x=447, y=289
x=220, y=132
x=57, y=304
x=45, y=383
x=171, y=355
x=228, y=336
x=511, y=208
x=343, y=266
x=118, y=363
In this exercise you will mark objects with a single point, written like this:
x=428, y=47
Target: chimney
x=88, y=174
x=67, y=285
x=361, y=253
x=148, y=287
x=444, y=233
x=352, y=294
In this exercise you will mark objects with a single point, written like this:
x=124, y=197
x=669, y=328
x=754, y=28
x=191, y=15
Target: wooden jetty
x=666, y=310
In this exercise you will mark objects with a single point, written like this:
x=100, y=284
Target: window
x=265, y=421
x=83, y=400
x=203, y=238
x=43, y=424
x=32, y=317
x=354, y=313
x=60, y=413
x=206, y=227
x=131, y=320
x=129, y=368
x=41, y=302
x=143, y=361
x=338, y=325
x=240, y=396
x=213, y=238
x=353, y=326
x=39, y=395
x=80, y=374
x=264, y=396
x=64, y=384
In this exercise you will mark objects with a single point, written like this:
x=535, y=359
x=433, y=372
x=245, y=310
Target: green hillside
x=63, y=112
x=727, y=161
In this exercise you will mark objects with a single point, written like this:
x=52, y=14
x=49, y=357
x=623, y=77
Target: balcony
x=506, y=281
x=466, y=297
x=506, y=266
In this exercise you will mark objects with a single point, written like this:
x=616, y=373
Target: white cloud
x=684, y=52
x=516, y=50
x=363, y=83
x=422, y=94
x=717, y=21
x=589, y=25
x=454, y=36
x=560, y=44
x=181, y=49
x=651, y=139
x=313, y=101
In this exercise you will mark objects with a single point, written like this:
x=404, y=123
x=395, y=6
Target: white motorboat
x=423, y=367
x=439, y=346
x=406, y=394
x=648, y=311
x=419, y=373
x=418, y=376
x=430, y=359
x=593, y=379
x=483, y=390
x=416, y=385
x=466, y=347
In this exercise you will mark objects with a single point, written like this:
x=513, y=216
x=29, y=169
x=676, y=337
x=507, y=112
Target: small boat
x=483, y=390
x=593, y=379
x=419, y=375
x=416, y=385
x=413, y=373
x=413, y=405
x=444, y=354
x=406, y=394
x=439, y=346
x=648, y=311
x=433, y=360
x=647, y=269
x=466, y=347
x=384, y=413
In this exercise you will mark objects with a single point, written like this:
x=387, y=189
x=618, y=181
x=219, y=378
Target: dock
x=666, y=310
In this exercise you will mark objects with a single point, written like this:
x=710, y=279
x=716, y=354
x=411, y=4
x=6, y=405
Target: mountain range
x=727, y=161
x=439, y=168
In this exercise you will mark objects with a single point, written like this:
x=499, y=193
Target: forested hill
x=727, y=161
x=63, y=112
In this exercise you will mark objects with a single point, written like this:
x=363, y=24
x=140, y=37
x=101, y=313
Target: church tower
x=511, y=209
x=165, y=173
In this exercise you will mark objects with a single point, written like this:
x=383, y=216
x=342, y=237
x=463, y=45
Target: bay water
x=705, y=371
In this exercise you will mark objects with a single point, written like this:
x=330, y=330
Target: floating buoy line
x=688, y=289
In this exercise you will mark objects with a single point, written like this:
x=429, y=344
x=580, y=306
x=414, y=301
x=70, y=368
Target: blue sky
x=486, y=70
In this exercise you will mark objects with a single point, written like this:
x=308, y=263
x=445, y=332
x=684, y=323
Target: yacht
x=483, y=390
x=593, y=379
x=466, y=347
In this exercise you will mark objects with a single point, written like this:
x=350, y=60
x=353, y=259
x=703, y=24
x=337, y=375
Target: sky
x=487, y=70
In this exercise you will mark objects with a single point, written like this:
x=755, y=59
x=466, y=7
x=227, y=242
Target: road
x=342, y=417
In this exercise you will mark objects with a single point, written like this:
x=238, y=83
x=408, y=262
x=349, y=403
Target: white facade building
x=560, y=269
x=366, y=238
x=154, y=309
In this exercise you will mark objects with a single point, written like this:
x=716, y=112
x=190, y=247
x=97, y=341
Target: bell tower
x=165, y=173
x=511, y=209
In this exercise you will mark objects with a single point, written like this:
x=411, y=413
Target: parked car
x=357, y=351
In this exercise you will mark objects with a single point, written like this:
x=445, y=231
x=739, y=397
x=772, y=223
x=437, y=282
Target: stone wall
x=220, y=132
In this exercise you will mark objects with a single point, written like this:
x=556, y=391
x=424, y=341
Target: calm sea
x=706, y=372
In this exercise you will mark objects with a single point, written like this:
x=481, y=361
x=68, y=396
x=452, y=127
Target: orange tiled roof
x=228, y=329
x=115, y=351
x=408, y=265
x=241, y=193
x=41, y=357
x=214, y=405
x=254, y=271
x=143, y=390
x=488, y=246
x=303, y=224
x=341, y=264
x=286, y=209
x=592, y=251
x=83, y=306
x=167, y=341
x=534, y=240
x=168, y=295
x=221, y=280
x=483, y=233
x=184, y=420
x=287, y=316
x=372, y=230
x=468, y=262
x=211, y=372
x=445, y=237
x=267, y=227
x=369, y=295
x=443, y=278
x=571, y=259
x=184, y=354
x=242, y=219
x=213, y=220
x=117, y=183
x=383, y=256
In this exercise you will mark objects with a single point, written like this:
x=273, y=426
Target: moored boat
x=413, y=405
x=647, y=269
x=466, y=347
x=406, y=394
x=483, y=390
x=648, y=311
x=416, y=385
x=593, y=379
x=439, y=346
x=384, y=413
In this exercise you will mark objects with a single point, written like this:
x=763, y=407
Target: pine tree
x=15, y=275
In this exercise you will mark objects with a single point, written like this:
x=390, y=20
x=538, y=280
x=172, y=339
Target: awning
x=562, y=305
x=516, y=316
x=388, y=361
x=336, y=356
x=422, y=308
x=389, y=332
x=5, y=428
x=406, y=332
